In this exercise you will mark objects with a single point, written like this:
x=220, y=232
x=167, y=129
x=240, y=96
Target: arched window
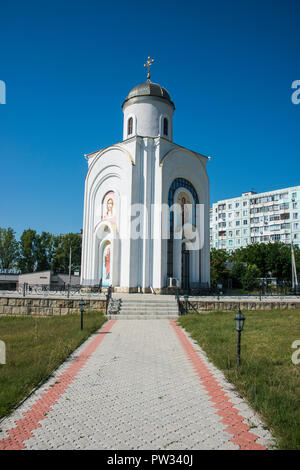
x=178, y=183
x=130, y=123
x=166, y=126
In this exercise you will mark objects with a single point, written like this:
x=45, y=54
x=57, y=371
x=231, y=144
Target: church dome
x=149, y=89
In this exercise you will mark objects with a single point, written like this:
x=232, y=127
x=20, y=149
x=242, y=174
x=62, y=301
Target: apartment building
x=256, y=218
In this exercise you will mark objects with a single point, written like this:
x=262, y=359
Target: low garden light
x=239, y=325
x=81, y=307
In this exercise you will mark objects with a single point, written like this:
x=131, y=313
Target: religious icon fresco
x=108, y=205
x=185, y=203
x=106, y=265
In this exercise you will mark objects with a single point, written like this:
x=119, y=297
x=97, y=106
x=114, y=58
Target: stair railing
x=179, y=303
x=108, y=297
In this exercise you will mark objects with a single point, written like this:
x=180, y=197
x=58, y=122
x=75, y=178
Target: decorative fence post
x=108, y=296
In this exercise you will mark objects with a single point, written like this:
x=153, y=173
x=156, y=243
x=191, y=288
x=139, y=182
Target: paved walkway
x=139, y=384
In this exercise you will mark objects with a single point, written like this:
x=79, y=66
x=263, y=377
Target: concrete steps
x=141, y=317
x=142, y=306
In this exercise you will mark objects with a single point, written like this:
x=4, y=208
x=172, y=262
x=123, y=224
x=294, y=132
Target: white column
x=147, y=198
x=156, y=220
x=177, y=259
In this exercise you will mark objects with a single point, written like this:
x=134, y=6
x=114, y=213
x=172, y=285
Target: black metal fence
x=108, y=297
x=283, y=289
x=264, y=292
x=53, y=289
x=202, y=290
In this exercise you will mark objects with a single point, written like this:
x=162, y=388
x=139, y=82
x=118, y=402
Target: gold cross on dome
x=148, y=64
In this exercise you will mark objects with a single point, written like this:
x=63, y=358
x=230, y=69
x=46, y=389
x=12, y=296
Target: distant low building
x=8, y=281
x=48, y=278
x=11, y=281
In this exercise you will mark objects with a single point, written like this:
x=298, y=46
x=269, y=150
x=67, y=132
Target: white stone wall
x=109, y=170
x=147, y=117
x=42, y=277
x=139, y=171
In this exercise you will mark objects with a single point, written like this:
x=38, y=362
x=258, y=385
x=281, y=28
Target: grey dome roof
x=149, y=89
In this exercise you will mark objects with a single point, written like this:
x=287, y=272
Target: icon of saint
x=109, y=207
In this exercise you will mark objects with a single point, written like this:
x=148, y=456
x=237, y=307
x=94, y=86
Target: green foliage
x=250, y=278
x=28, y=251
x=278, y=260
x=218, y=270
x=270, y=259
x=62, y=244
x=253, y=254
x=9, y=249
x=237, y=272
x=46, y=251
x=35, y=346
x=36, y=251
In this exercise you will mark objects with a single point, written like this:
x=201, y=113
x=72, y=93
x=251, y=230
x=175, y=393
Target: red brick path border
x=31, y=420
x=231, y=417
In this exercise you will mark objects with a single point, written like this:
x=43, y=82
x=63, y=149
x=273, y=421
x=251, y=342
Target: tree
x=44, y=251
x=278, y=260
x=9, y=249
x=253, y=254
x=250, y=279
x=218, y=269
x=272, y=259
x=62, y=244
x=237, y=272
x=28, y=251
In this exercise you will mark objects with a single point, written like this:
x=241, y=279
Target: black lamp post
x=81, y=306
x=239, y=325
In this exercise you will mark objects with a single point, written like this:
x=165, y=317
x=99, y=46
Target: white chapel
x=140, y=193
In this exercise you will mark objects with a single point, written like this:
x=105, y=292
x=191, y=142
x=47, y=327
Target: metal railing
x=42, y=289
x=189, y=306
x=108, y=297
x=66, y=290
x=179, y=303
x=261, y=292
x=114, y=306
x=186, y=305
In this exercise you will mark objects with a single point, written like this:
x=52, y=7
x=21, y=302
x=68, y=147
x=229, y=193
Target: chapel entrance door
x=185, y=267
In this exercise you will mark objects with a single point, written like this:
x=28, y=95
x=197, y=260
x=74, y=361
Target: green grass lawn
x=35, y=347
x=267, y=377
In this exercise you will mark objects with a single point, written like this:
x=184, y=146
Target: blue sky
x=68, y=66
